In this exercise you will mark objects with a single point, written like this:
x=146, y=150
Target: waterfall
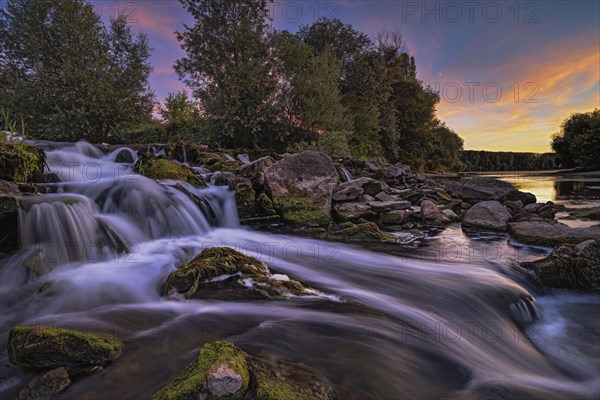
x=347, y=175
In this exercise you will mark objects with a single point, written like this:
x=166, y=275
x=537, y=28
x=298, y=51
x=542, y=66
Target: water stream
x=449, y=321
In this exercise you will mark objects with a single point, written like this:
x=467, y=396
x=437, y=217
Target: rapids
x=447, y=321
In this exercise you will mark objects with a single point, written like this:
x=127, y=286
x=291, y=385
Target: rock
x=50, y=177
x=245, y=198
x=570, y=266
x=395, y=172
x=353, y=211
x=221, y=272
x=161, y=168
x=383, y=196
x=477, y=188
x=451, y=215
x=372, y=166
x=364, y=232
x=381, y=206
x=44, y=347
x=220, y=371
x=9, y=216
x=517, y=195
x=397, y=217
x=365, y=198
x=533, y=207
x=488, y=215
x=301, y=187
x=255, y=171
x=431, y=214
x=549, y=233
x=592, y=213
x=264, y=206
x=369, y=186
x=124, y=156
x=46, y=386
x=348, y=193
x=19, y=161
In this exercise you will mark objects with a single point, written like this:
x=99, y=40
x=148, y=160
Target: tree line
x=478, y=160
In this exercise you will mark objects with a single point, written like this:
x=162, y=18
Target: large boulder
x=220, y=371
x=570, y=266
x=9, y=216
x=477, y=188
x=549, y=233
x=44, y=347
x=431, y=214
x=221, y=272
x=488, y=215
x=301, y=187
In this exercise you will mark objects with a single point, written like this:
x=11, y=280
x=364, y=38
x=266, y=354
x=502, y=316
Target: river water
x=442, y=319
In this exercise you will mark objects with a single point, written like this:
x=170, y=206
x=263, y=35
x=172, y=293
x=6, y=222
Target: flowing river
x=446, y=318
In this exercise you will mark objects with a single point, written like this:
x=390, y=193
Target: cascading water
x=389, y=327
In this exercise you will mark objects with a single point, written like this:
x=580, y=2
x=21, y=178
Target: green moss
x=274, y=389
x=18, y=161
x=245, y=199
x=265, y=205
x=49, y=347
x=207, y=158
x=192, y=381
x=161, y=168
x=300, y=212
x=364, y=232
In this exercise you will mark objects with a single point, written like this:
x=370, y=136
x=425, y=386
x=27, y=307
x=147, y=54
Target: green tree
x=578, y=143
x=228, y=66
x=68, y=75
x=178, y=109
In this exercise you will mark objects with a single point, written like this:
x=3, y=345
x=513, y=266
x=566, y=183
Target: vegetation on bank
x=578, y=143
x=480, y=160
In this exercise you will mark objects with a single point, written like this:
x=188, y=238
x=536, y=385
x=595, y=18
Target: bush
x=335, y=144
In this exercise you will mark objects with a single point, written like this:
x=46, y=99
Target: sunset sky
x=509, y=72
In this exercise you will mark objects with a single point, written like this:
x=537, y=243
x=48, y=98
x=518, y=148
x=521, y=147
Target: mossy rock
x=161, y=168
x=286, y=381
x=225, y=273
x=264, y=205
x=245, y=199
x=19, y=161
x=220, y=371
x=207, y=158
x=300, y=212
x=363, y=232
x=44, y=347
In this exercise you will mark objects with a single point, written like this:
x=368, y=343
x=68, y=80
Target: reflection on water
x=572, y=190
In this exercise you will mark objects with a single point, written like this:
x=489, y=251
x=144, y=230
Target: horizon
x=508, y=72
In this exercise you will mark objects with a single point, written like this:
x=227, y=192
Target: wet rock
x=50, y=177
x=349, y=193
x=365, y=198
x=548, y=233
x=44, y=347
x=46, y=386
x=517, y=195
x=397, y=217
x=592, y=213
x=255, y=171
x=161, y=168
x=451, y=215
x=301, y=187
x=382, y=206
x=124, y=156
x=533, y=207
x=383, y=196
x=220, y=371
x=245, y=198
x=9, y=216
x=477, y=188
x=360, y=186
x=363, y=232
x=431, y=214
x=353, y=211
x=570, y=266
x=488, y=215
x=221, y=272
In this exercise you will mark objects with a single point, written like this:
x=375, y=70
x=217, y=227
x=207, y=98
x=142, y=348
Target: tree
x=228, y=66
x=67, y=74
x=178, y=109
x=578, y=143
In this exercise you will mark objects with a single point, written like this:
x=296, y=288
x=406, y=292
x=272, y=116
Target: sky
x=508, y=72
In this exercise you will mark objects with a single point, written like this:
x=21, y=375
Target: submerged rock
x=43, y=347
x=570, y=266
x=548, y=233
x=222, y=272
x=161, y=168
x=301, y=187
x=488, y=215
x=46, y=386
x=220, y=371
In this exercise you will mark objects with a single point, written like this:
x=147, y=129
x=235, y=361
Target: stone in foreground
x=46, y=386
x=220, y=371
x=43, y=347
x=488, y=215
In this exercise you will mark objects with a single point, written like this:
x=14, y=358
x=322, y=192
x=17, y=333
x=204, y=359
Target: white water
x=389, y=327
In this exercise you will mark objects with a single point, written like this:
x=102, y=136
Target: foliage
x=178, y=109
x=69, y=75
x=333, y=143
x=578, y=143
x=445, y=149
x=473, y=160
